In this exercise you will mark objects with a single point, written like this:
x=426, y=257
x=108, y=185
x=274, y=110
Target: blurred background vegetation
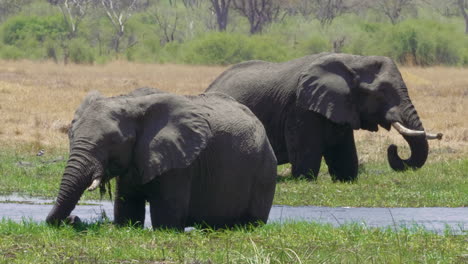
x=414, y=32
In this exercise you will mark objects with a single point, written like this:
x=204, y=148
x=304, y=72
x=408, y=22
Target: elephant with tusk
x=196, y=159
x=311, y=105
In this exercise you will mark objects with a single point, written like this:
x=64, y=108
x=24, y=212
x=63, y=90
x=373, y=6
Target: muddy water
x=436, y=219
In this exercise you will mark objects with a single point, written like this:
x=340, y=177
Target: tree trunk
x=461, y=5
x=221, y=9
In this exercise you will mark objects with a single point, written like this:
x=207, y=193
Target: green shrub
x=11, y=52
x=21, y=29
x=80, y=52
x=218, y=48
x=42, y=33
x=423, y=42
x=315, y=44
x=269, y=49
x=228, y=48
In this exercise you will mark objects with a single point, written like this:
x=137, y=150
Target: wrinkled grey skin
x=196, y=159
x=310, y=107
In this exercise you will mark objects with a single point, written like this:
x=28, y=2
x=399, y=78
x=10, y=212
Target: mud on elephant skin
x=196, y=159
x=311, y=105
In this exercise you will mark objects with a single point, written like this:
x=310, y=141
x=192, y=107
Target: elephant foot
x=309, y=175
x=73, y=220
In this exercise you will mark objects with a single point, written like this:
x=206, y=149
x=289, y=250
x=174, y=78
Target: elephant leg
x=342, y=159
x=305, y=140
x=129, y=207
x=170, y=202
x=307, y=165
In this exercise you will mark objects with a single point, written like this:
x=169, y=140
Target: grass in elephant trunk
x=287, y=243
x=437, y=184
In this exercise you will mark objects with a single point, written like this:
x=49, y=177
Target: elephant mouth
x=414, y=133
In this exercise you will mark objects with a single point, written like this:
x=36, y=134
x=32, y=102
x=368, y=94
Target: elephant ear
x=174, y=131
x=326, y=87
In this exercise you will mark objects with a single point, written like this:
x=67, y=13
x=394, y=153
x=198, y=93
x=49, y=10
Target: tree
x=73, y=12
x=258, y=12
x=167, y=21
x=9, y=7
x=118, y=12
x=327, y=10
x=393, y=8
x=192, y=3
x=221, y=10
x=463, y=5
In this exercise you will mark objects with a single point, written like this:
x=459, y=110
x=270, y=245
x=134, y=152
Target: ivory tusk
x=94, y=185
x=406, y=131
x=409, y=132
x=430, y=136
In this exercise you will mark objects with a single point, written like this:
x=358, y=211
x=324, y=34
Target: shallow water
x=436, y=219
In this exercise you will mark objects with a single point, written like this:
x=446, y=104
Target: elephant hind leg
x=342, y=159
x=262, y=193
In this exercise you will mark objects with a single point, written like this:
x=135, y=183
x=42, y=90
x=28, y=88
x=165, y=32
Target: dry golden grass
x=38, y=99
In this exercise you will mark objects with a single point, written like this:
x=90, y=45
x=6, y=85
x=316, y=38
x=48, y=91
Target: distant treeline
x=416, y=32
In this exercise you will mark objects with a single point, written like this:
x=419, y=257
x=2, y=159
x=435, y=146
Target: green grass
x=443, y=184
x=272, y=243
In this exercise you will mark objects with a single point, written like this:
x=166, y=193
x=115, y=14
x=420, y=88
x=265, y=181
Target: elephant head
x=141, y=135
x=364, y=92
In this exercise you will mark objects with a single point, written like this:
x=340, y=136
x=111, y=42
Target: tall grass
x=287, y=243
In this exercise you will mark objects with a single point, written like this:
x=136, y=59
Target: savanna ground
x=37, y=102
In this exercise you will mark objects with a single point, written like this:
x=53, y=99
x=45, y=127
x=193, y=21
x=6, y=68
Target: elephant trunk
x=76, y=178
x=417, y=141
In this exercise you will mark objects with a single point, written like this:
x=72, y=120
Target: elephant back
x=232, y=121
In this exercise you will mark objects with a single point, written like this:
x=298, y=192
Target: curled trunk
x=418, y=143
x=419, y=151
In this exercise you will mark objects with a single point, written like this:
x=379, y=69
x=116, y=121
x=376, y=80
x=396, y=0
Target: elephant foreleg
x=129, y=208
x=169, y=202
x=342, y=159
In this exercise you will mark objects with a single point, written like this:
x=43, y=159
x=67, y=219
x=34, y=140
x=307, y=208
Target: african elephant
x=196, y=159
x=311, y=105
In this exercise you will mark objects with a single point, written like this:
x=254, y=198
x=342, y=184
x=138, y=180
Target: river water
x=436, y=219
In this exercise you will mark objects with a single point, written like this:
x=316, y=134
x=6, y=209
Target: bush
x=316, y=44
x=80, y=52
x=228, y=48
x=218, y=48
x=22, y=29
x=10, y=52
x=425, y=43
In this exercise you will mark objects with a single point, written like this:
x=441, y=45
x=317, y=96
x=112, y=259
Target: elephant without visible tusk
x=409, y=132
